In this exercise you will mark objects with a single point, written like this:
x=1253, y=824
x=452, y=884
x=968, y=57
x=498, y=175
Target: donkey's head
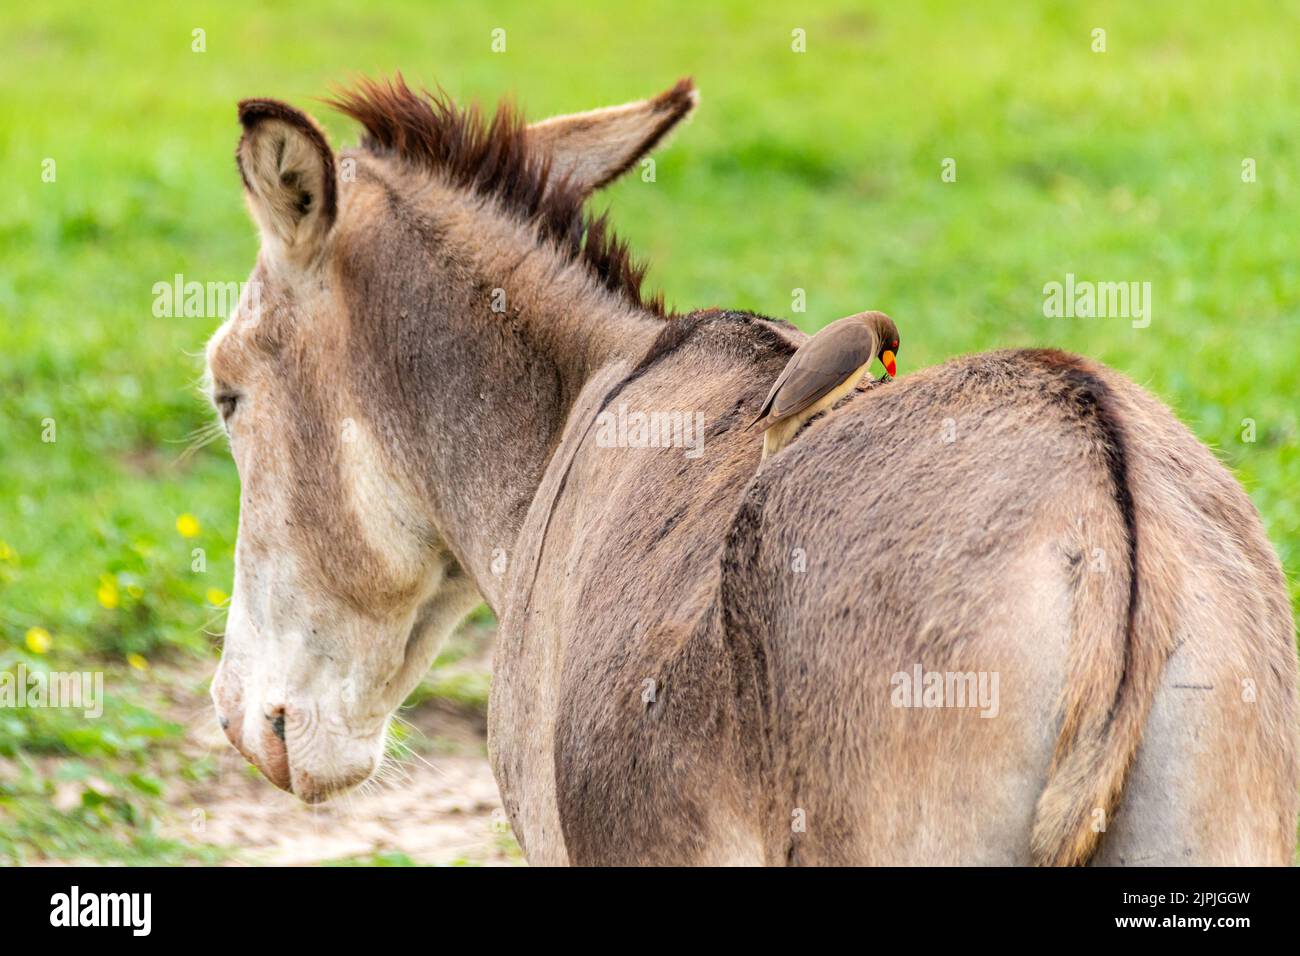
x=393, y=312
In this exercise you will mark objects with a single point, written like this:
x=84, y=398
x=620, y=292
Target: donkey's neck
x=538, y=390
x=494, y=380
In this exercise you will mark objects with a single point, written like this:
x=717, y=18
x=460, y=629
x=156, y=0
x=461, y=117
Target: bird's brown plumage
x=825, y=362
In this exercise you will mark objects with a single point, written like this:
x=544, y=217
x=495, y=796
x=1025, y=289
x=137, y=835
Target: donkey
x=701, y=661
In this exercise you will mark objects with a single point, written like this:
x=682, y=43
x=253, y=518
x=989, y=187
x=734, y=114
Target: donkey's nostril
x=272, y=753
x=224, y=721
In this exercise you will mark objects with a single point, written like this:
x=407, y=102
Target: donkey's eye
x=226, y=402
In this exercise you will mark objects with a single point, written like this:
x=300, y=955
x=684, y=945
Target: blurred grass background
x=817, y=170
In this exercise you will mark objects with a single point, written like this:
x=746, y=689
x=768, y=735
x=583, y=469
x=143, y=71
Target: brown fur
x=692, y=655
x=1114, y=681
x=494, y=158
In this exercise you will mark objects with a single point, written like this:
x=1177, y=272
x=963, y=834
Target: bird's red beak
x=887, y=360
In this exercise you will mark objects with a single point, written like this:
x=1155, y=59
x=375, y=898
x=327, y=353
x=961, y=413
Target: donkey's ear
x=289, y=174
x=591, y=149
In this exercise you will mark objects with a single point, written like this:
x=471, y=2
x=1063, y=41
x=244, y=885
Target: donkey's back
x=1009, y=610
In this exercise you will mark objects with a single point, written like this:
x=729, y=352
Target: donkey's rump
x=1007, y=573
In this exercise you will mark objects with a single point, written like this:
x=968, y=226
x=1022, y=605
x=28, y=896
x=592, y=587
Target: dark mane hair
x=493, y=158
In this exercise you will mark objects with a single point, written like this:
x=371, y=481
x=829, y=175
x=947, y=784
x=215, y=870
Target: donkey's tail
x=1115, y=659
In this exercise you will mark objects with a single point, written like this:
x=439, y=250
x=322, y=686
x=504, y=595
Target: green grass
x=817, y=171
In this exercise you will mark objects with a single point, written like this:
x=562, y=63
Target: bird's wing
x=823, y=362
x=776, y=387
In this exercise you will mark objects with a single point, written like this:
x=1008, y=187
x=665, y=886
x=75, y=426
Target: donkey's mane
x=493, y=158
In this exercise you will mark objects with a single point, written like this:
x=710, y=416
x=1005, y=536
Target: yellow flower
x=6, y=553
x=107, y=592
x=188, y=525
x=38, y=640
x=217, y=598
x=137, y=661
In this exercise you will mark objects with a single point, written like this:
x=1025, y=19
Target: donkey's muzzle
x=262, y=742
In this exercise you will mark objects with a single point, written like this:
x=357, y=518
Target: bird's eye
x=226, y=402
